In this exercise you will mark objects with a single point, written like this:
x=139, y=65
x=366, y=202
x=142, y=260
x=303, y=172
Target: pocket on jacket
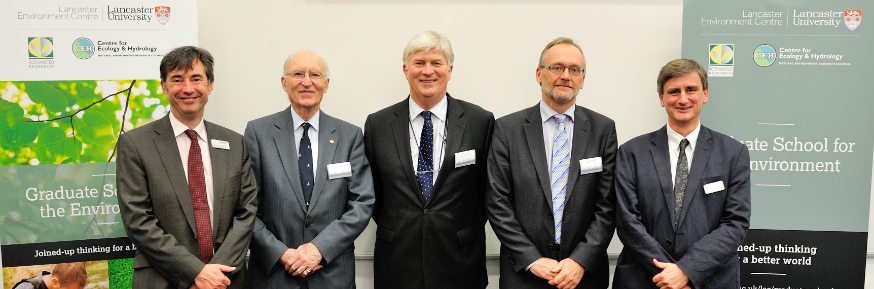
x=385, y=234
x=469, y=235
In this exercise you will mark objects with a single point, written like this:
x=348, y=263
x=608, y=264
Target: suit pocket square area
x=339, y=170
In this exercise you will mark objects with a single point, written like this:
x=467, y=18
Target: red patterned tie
x=197, y=188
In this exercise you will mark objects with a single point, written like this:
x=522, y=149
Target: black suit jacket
x=712, y=224
x=439, y=244
x=520, y=199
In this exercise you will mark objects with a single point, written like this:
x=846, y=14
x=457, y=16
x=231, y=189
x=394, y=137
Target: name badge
x=714, y=187
x=465, y=158
x=339, y=170
x=220, y=144
x=591, y=165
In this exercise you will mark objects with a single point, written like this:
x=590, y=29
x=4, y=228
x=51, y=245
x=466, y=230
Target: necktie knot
x=427, y=115
x=683, y=144
x=559, y=117
x=306, y=127
x=191, y=134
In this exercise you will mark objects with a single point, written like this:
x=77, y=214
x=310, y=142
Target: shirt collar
x=439, y=109
x=547, y=112
x=180, y=128
x=298, y=121
x=674, y=137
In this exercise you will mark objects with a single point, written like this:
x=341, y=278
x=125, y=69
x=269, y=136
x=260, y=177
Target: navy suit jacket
x=712, y=223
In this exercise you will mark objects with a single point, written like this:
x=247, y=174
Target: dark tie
x=680, y=181
x=425, y=169
x=560, y=169
x=197, y=189
x=305, y=164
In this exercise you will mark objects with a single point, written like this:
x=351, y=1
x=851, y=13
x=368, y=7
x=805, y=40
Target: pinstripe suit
x=339, y=209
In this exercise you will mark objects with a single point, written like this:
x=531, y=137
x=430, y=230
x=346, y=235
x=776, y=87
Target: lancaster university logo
x=162, y=13
x=852, y=18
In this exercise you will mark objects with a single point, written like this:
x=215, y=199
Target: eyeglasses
x=559, y=69
x=300, y=75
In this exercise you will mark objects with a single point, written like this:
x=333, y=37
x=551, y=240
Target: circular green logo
x=765, y=55
x=83, y=48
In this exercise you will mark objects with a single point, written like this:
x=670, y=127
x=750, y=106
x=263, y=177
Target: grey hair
x=557, y=41
x=427, y=41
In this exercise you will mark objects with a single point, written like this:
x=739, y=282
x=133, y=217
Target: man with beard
x=554, y=224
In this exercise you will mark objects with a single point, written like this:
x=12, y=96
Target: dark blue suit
x=712, y=224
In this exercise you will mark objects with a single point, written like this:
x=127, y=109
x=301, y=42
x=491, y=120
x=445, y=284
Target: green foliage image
x=121, y=273
x=61, y=122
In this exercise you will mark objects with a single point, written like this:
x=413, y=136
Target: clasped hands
x=671, y=277
x=302, y=261
x=212, y=277
x=563, y=275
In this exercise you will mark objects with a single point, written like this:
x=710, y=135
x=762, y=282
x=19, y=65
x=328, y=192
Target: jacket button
x=668, y=242
x=308, y=225
x=427, y=211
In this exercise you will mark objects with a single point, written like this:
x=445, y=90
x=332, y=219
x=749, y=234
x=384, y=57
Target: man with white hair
x=428, y=161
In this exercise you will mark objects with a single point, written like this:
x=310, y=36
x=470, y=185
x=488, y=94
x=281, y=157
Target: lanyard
x=442, y=146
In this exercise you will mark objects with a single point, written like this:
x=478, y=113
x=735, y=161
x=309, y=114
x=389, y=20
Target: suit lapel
x=218, y=158
x=582, y=127
x=401, y=135
x=534, y=135
x=662, y=162
x=165, y=142
x=455, y=135
x=327, y=131
x=287, y=146
x=696, y=170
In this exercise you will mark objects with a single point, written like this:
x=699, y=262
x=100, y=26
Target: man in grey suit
x=683, y=194
x=315, y=183
x=185, y=188
x=428, y=154
x=551, y=199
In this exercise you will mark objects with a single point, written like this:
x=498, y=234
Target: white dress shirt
x=183, y=142
x=313, y=133
x=674, y=139
x=438, y=121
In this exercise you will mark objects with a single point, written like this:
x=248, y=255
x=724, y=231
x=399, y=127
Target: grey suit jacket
x=339, y=208
x=519, y=198
x=158, y=215
x=712, y=224
x=441, y=243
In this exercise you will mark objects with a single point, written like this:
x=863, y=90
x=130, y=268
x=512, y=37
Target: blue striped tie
x=560, y=170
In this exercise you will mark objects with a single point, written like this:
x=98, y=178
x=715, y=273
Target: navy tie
x=425, y=169
x=305, y=164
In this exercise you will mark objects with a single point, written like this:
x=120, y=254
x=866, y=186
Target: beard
x=550, y=91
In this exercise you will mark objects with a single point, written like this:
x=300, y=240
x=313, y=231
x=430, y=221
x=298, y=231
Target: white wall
x=496, y=43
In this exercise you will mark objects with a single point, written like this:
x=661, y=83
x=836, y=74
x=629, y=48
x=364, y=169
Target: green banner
x=792, y=81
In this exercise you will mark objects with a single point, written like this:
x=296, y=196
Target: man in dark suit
x=550, y=170
x=315, y=183
x=683, y=195
x=185, y=189
x=428, y=155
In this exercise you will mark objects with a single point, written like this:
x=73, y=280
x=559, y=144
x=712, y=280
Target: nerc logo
x=852, y=18
x=162, y=13
x=40, y=48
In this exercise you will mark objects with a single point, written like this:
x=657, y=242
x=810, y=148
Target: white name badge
x=591, y=165
x=220, y=144
x=465, y=158
x=339, y=170
x=714, y=187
